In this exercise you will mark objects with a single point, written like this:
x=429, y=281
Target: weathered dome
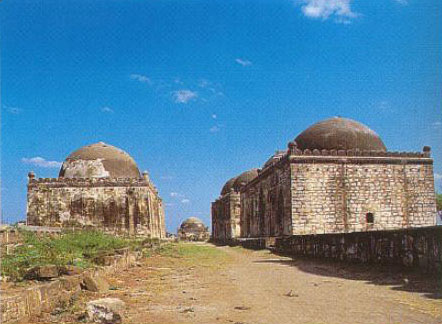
x=340, y=134
x=193, y=224
x=228, y=186
x=192, y=220
x=99, y=160
x=244, y=178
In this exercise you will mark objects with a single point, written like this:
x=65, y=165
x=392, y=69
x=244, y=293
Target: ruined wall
x=419, y=247
x=226, y=217
x=20, y=304
x=115, y=205
x=266, y=203
x=345, y=194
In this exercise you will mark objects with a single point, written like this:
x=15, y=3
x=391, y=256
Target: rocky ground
x=208, y=284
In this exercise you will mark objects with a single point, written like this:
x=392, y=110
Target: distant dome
x=99, y=160
x=193, y=224
x=228, y=186
x=192, y=220
x=244, y=178
x=339, y=134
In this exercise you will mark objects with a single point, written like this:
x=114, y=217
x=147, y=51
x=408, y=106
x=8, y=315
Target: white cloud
x=185, y=201
x=214, y=116
x=166, y=177
x=178, y=81
x=41, y=162
x=437, y=124
x=141, y=78
x=203, y=83
x=176, y=194
x=324, y=9
x=107, y=109
x=384, y=105
x=243, y=62
x=215, y=129
x=13, y=110
x=402, y=2
x=437, y=176
x=184, y=96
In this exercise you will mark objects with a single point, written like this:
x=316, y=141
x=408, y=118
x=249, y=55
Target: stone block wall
x=419, y=247
x=226, y=217
x=360, y=194
x=266, y=203
x=119, y=206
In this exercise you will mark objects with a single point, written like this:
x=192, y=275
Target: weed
x=73, y=248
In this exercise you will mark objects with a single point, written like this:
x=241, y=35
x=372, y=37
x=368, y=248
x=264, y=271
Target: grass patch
x=189, y=253
x=77, y=248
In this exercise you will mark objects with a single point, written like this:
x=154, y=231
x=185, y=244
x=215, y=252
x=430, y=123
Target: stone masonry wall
x=118, y=206
x=340, y=195
x=266, y=204
x=21, y=304
x=419, y=247
x=226, y=217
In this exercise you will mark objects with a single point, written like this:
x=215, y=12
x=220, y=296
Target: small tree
x=439, y=201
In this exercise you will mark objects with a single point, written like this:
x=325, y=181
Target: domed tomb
x=339, y=134
x=193, y=229
x=244, y=178
x=99, y=160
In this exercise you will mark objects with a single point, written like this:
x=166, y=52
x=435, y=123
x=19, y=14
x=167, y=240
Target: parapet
x=89, y=182
x=294, y=150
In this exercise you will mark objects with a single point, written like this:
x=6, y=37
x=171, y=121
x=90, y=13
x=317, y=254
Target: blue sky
x=199, y=91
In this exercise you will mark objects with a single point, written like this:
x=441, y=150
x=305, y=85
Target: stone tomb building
x=335, y=177
x=193, y=229
x=226, y=210
x=98, y=186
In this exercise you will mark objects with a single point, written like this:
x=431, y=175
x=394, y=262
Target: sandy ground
x=242, y=286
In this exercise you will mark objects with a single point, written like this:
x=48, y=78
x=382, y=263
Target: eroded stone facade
x=99, y=186
x=314, y=194
x=226, y=212
x=121, y=206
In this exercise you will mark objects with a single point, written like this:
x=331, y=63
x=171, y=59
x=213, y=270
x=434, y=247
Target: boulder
x=95, y=284
x=105, y=310
x=44, y=272
x=70, y=270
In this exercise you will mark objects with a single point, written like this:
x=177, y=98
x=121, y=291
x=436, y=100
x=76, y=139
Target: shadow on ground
x=398, y=278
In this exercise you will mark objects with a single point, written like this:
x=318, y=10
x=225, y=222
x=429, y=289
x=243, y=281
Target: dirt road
x=234, y=285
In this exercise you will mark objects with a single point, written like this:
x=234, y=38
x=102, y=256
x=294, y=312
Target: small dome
x=244, y=178
x=192, y=220
x=192, y=224
x=99, y=160
x=228, y=186
x=339, y=134
x=275, y=157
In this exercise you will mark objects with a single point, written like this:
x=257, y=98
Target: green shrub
x=74, y=248
x=439, y=201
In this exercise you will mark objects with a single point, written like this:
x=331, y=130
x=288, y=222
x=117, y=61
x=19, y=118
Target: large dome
x=99, y=160
x=244, y=178
x=339, y=134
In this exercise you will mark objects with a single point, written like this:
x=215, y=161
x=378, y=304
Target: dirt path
x=241, y=286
